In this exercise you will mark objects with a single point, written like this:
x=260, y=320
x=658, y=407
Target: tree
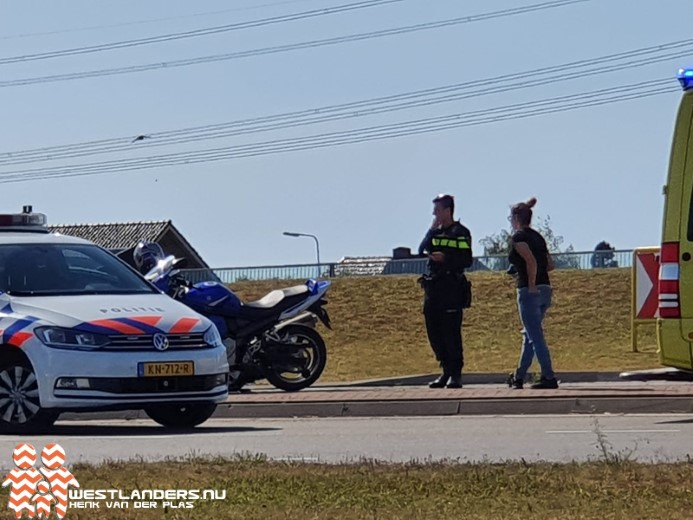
x=499, y=245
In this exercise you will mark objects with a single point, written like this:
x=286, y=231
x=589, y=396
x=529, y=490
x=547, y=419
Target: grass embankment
x=378, y=327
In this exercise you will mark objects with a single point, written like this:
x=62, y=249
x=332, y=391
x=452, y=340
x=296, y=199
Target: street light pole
x=317, y=243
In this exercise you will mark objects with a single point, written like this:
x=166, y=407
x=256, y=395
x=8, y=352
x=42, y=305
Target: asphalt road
x=556, y=438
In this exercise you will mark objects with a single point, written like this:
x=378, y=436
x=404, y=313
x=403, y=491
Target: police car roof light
x=25, y=221
x=685, y=77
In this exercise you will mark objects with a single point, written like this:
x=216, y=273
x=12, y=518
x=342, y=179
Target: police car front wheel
x=20, y=407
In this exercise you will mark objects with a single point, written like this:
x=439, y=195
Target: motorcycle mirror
x=181, y=262
x=161, y=268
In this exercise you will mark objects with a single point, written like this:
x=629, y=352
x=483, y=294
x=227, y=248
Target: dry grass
x=273, y=490
x=378, y=328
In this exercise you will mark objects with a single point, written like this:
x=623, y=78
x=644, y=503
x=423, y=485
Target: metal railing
x=388, y=266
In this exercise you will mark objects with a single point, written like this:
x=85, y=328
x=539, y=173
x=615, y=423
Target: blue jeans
x=533, y=307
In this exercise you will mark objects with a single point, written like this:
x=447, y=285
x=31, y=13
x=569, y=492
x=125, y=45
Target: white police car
x=82, y=331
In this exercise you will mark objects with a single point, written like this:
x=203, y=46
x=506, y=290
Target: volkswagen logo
x=160, y=341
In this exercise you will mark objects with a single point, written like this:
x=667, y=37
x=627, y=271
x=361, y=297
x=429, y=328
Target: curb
x=481, y=378
x=430, y=407
x=462, y=407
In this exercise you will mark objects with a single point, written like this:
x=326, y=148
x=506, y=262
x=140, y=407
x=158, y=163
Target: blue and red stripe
x=13, y=334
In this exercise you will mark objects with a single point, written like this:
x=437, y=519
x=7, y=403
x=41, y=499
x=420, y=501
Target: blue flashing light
x=686, y=78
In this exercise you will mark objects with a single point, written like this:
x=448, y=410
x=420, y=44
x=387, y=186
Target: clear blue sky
x=597, y=172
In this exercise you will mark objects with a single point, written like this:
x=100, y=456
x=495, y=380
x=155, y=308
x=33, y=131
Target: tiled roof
x=361, y=265
x=376, y=265
x=115, y=236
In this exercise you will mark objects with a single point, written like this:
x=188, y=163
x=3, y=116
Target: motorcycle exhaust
x=305, y=318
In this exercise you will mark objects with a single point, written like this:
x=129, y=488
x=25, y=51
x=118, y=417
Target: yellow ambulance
x=675, y=321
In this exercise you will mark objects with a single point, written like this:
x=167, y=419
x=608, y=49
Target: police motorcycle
x=273, y=338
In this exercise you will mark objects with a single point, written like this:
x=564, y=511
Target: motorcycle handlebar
x=179, y=281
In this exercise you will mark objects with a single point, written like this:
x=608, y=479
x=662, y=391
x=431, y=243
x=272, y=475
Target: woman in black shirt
x=532, y=262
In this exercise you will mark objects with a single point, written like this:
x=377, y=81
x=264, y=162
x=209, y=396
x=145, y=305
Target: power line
x=426, y=97
x=149, y=20
x=406, y=128
x=342, y=141
x=197, y=33
x=286, y=48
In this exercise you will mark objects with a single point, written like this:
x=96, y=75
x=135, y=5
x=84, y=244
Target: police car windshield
x=65, y=269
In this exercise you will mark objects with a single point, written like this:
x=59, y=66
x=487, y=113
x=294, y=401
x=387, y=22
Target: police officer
x=447, y=290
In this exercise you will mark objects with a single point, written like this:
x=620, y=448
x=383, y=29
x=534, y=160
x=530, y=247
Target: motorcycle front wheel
x=308, y=358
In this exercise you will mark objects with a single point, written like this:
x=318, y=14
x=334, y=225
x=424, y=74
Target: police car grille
x=146, y=342
x=154, y=384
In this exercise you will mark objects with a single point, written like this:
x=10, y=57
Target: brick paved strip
x=464, y=394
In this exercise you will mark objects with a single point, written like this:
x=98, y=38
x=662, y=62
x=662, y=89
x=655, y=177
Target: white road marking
x=609, y=431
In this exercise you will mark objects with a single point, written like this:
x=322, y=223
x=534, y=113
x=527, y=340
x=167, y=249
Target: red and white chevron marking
x=23, y=486
x=53, y=456
x=25, y=480
x=24, y=456
x=60, y=480
x=43, y=500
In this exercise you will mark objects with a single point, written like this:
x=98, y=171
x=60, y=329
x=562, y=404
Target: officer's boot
x=455, y=370
x=440, y=381
x=455, y=381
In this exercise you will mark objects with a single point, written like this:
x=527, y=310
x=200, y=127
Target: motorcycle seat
x=273, y=298
x=256, y=314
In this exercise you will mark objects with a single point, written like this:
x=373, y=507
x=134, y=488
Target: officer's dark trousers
x=444, y=328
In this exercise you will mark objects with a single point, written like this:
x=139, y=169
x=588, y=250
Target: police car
x=82, y=331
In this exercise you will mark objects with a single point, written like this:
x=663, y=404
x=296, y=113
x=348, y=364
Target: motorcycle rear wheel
x=312, y=348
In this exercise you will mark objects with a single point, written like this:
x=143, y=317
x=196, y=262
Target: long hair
x=523, y=211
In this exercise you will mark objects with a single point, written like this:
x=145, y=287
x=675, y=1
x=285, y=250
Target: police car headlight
x=74, y=339
x=212, y=337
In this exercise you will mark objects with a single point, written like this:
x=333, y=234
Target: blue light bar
x=686, y=78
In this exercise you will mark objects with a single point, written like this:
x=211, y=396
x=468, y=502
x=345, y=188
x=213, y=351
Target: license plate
x=168, y=369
